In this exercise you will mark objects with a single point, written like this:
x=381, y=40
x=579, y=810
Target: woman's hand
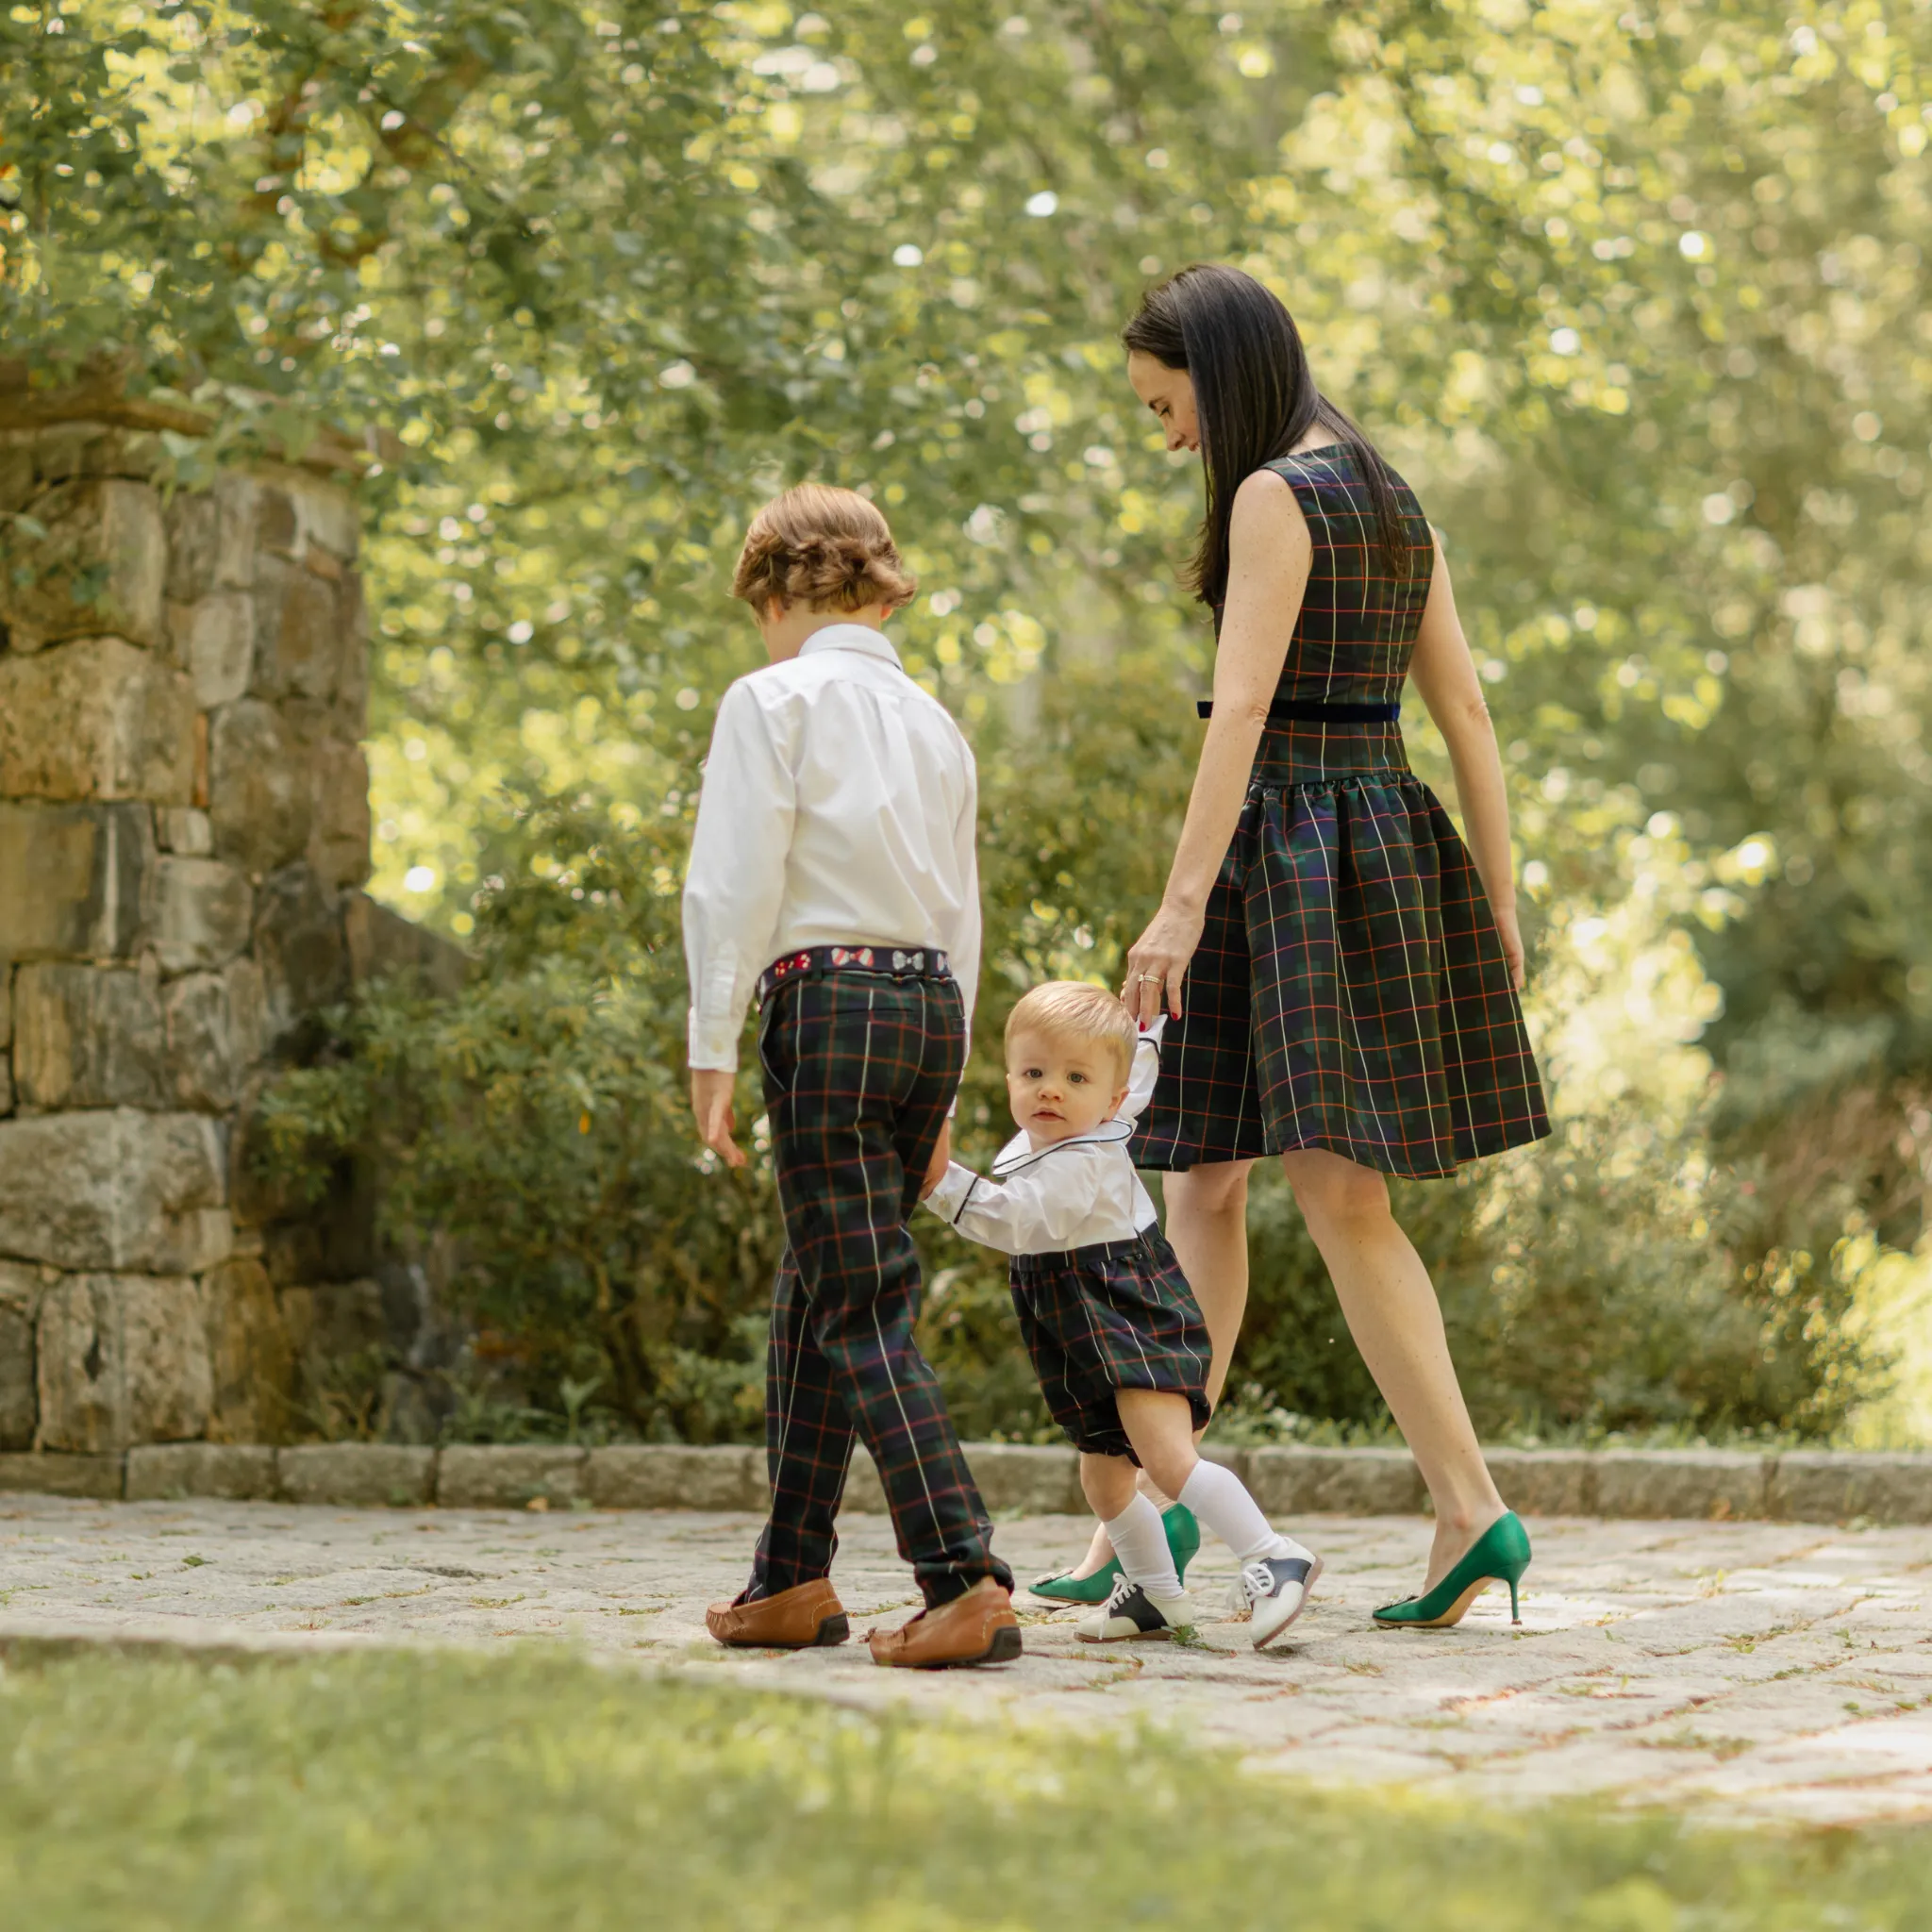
x=1157, y=963
x=1269, y=551
x=1511, y=936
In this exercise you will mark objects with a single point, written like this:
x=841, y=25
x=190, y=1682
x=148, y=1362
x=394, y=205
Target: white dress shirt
x=840, y=808
x=1065, y=1194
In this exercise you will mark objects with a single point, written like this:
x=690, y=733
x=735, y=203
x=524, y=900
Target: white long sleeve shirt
x=840, y=808
x=1065, y=1194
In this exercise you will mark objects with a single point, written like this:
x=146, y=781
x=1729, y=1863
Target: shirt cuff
x=948, y=1199
x=712, y=1044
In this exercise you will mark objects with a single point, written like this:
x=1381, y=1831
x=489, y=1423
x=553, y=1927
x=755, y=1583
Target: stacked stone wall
x=184, y=828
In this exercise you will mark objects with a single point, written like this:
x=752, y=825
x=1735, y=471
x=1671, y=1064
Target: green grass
x=380, y=1790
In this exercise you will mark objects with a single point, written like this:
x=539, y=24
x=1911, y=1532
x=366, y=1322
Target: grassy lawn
x=391, y=1791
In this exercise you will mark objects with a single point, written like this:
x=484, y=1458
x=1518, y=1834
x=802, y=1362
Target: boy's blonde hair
x=1063, y=1006
x=827, y=549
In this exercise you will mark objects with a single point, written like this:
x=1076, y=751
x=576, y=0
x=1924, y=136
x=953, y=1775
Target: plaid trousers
x=860, y=1069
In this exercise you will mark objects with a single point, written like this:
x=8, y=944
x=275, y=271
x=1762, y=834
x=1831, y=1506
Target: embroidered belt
x=888, y=962
x=1314, y=711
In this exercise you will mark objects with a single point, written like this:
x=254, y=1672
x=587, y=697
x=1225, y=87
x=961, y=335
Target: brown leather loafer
x=976, y=1628
x=796, y=1619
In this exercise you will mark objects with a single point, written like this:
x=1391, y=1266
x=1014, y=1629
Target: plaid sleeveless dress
x=1350, y=990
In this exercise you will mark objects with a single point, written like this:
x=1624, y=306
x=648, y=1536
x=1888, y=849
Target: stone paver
x=1747, y=1670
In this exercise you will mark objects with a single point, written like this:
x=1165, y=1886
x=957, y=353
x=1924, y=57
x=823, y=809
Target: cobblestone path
x=1765, y=1671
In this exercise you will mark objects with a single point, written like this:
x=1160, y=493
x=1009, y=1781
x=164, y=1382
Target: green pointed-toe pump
x=1500, y=1555
x=1183, y=1537
x=1063, y=1587
x=1183, y=1546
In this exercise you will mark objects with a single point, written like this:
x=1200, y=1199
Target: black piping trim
x=966, y=1199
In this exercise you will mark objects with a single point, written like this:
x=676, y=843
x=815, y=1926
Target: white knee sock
x=1219, y=1498
x=1140, y=1543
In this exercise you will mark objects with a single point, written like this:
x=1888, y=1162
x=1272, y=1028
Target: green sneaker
x=1183, y=1546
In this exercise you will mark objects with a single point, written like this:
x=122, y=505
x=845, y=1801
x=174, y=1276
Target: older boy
x=832, y=868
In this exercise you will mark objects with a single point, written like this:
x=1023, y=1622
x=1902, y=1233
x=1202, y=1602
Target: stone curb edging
x=1799, y=1486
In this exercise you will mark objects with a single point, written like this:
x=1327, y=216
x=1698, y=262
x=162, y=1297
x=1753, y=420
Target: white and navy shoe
x=1130, y=1612
x=1273, y=1591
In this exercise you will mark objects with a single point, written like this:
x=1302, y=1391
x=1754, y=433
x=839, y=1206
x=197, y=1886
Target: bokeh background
x=1635, y=296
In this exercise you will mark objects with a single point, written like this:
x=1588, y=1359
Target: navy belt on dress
x=1315, y=711
x=888, y=962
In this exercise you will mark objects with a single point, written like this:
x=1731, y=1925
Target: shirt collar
x=1020, y=1152
x=850, y=636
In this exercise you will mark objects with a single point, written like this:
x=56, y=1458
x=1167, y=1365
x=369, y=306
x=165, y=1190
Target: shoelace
x=1254, y=1582
x=1123, y=1587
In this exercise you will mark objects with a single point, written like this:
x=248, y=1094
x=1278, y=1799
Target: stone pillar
x=184, y=824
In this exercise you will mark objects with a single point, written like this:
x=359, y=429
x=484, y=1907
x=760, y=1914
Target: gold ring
x=1155, y=977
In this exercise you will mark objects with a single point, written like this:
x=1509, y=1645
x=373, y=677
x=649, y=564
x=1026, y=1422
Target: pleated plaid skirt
x=1350, y=991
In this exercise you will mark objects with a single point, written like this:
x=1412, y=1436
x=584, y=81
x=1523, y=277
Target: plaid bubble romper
x=1350, y=990
x=1102, y=1302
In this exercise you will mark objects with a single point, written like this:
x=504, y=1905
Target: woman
x=1340, y=974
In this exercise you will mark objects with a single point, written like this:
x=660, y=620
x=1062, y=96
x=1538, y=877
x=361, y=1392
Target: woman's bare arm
x=1269, y=554
x=1445, y=675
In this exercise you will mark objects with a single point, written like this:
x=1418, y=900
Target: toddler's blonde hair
x=1070, y=1006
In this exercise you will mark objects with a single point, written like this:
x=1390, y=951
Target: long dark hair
x=1256, y=398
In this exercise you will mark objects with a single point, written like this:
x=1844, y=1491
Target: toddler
x=1113, y=1327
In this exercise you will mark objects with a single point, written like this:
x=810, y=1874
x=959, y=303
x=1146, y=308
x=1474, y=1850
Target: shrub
x=538, y=1120
x=1629, y=1275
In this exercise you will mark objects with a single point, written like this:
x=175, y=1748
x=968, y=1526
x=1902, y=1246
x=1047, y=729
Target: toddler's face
x=1060, y=1087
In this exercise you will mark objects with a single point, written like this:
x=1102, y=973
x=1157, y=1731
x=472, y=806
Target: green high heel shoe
x=1500, y=1555
x=1183, y=1537
x=1183, y=1546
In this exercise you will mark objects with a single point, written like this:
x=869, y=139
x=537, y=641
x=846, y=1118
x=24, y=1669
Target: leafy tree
x=1634, y=297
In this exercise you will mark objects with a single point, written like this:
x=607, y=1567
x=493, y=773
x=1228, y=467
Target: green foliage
x=1608, y=1281
x=537, y=1122
x=396, y=1791
x=1634, y=297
